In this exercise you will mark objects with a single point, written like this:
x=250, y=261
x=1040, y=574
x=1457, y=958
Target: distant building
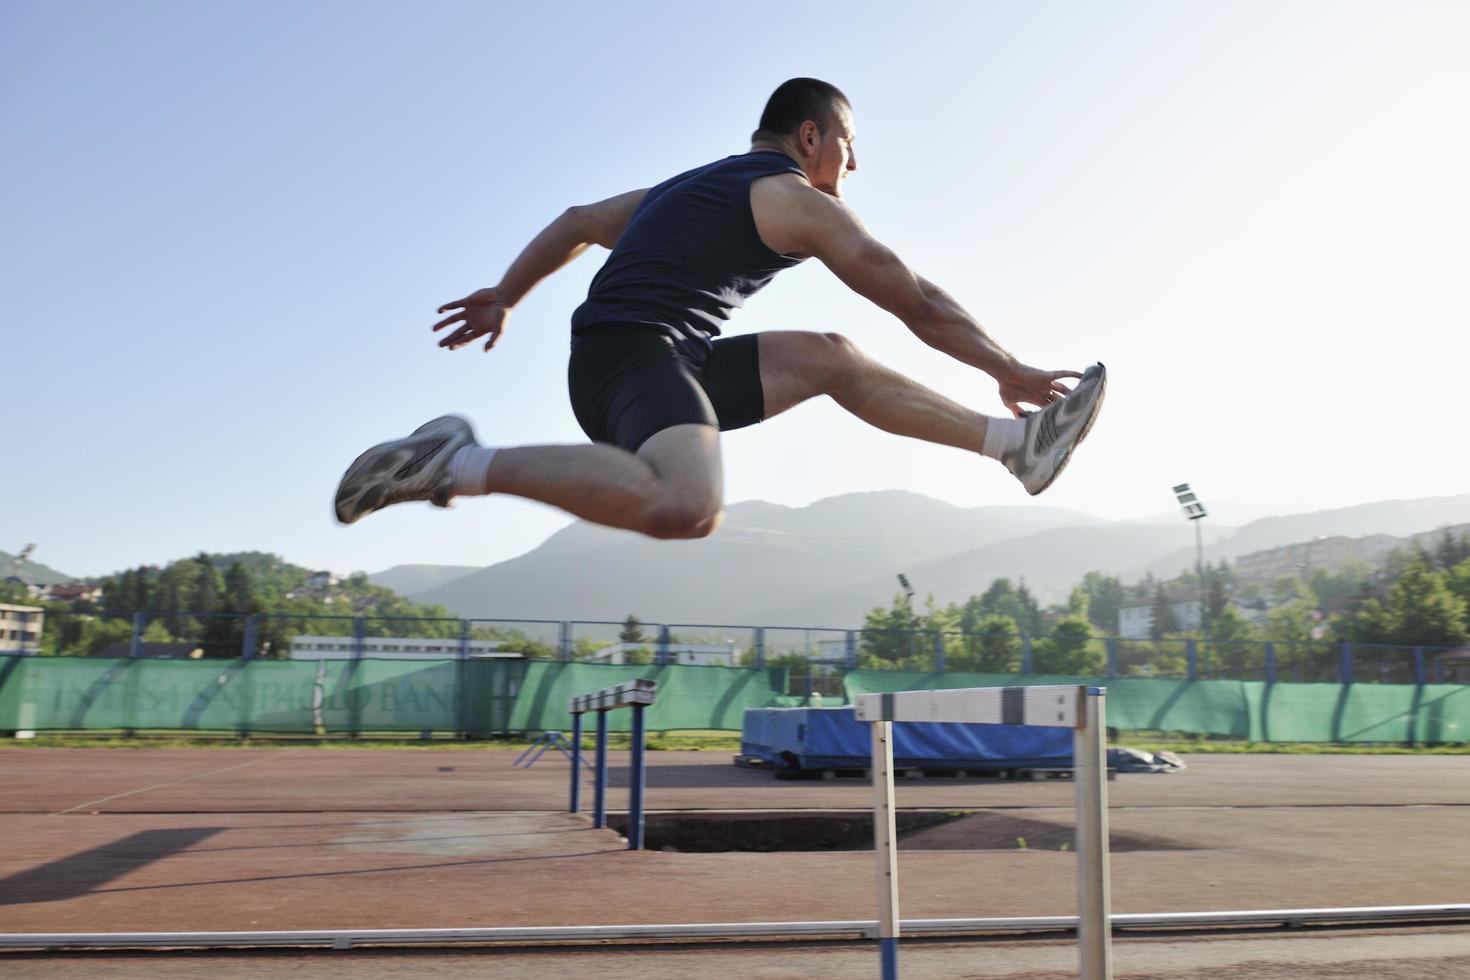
x=322, y=580
x=1136, y=619
x=74, y=592
x=394, y=648
x=20, y=628
x=701, y=654
x=33, y=590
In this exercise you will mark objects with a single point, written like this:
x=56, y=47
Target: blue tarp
x=833, y=738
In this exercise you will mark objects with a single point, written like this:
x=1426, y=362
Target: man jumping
x=652, y=381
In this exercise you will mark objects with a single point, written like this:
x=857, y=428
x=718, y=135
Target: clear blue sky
x=224, y=229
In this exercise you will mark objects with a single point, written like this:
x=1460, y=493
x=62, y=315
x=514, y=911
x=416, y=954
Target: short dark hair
x=794, y=102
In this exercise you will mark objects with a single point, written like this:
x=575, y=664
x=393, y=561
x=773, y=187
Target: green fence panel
x=498, y=696
x=488, y=695
x=68, y=692
x=689, y=696
x=1197, y=707
x=389, y=695
x=1431, y=713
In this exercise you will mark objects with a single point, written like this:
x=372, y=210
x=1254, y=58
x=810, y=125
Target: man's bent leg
x=797, y=365
x=673, y=487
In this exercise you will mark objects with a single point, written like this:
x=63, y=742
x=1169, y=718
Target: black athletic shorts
x=629, y=382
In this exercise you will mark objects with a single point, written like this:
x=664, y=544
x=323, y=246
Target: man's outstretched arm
x=484, y=311
x=796, y=219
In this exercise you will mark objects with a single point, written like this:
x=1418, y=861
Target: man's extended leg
x=798, y=365
x=671, y=488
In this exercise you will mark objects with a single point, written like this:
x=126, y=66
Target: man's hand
x=482, y=311
x=1033, y=387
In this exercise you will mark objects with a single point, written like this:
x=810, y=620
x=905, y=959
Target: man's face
x=834, y=158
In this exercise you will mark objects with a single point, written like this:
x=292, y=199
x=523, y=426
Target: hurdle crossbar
x=634, y=693
x=637, y=694
x=1077, y=707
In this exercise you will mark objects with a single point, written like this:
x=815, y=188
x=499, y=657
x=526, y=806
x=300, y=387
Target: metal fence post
x=1028, y=654
x=760, y=647
x=1111, y=644
x=663, y=645
x=135, y=643
x=247, y=642
x=1270, y=662
x=462, y=681
x=1345, y=664
x=359, y=637
x=850, y=649
x=1418, y=665
x=635, y=785
x=1191, y=657
x=938, y=652
x=564, y=641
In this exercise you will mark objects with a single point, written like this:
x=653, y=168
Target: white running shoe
x=413, y=468
x=1054, y=432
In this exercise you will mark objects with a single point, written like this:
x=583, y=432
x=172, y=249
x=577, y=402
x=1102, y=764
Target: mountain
x=409, y=579
x=830, y=562
x=33, y=573
x=1051, y=562
x=1398, y=518
x=765, y=557
x=1226, y=513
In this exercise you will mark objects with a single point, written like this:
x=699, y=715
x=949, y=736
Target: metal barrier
x=1054, y=706
x=635, y=694
x=814, y=656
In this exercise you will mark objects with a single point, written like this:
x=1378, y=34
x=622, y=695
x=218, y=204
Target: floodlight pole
x=1194, y=510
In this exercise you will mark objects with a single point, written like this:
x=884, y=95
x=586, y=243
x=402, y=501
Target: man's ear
x=811, y=139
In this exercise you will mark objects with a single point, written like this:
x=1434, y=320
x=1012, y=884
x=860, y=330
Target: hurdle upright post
x=885, y=837
x=575, y=803
x=1094, y=894
x=1044, y=705
x=635, y=787
x=637, y=694
x=599, y=790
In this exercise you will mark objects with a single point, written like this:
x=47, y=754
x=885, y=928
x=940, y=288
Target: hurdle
x=1079, y=708
x=638, y=695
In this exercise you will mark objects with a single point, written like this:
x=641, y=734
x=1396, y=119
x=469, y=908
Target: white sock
x=1002, y=436
x=469, y=469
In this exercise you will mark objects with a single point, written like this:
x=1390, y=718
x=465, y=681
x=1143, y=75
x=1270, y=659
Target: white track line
x=176, y=782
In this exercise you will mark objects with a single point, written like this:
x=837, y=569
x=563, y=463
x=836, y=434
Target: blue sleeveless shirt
x=690, y=255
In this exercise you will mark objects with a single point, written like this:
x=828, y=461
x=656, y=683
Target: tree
x=632, y=631
x=1235, y=648
x=889, y=635
x=1105, y=593
x=1329, y=586
x=1217, y=596
x=1069, y=650
x=1457, y=580
x=1419, y=610
x=994, y=647
x=1451, y=551
x=1164, y=621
